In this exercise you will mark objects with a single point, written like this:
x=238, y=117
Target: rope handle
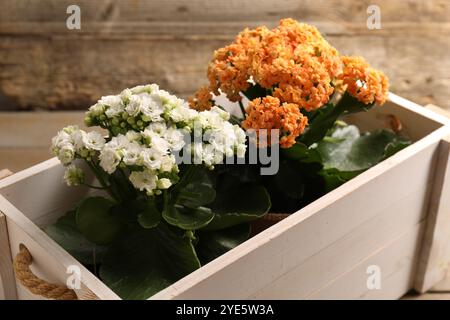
x=36, y=285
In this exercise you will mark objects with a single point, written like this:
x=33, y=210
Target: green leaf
x=187, y=218
x=212, y=244
x=65, y=232
x=334, y=149
x=147, y=261
x=196, y=194
x=324, y=118
x=149, y=215
x=255, y=91
x=241, y=204
x=346, y=153
x=301, y=152
x=95, y=221
x=334, y=178
x=289, y=179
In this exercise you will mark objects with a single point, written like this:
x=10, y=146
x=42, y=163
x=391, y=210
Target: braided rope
x=38, y=286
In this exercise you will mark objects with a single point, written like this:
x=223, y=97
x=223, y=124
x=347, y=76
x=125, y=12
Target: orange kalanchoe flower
x=268, y=113
x=365, y=83
x=229, y=69
x=298, y=63
x=293, y=60
x=202, y=100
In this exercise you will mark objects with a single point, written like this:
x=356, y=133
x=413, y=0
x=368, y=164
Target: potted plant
x=173, y=187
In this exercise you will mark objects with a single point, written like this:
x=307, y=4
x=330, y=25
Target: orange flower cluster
x=268, y=113
x=366, y=84
x=202, y=100
x=298, y=64
x=293, y=60
x=230, y=68
x=299, y=70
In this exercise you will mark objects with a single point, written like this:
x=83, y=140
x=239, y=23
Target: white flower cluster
x=74, y=176
x=147, y=127
x=72, y=142
x=148, y=155
x=135, y=108
x=219, y=138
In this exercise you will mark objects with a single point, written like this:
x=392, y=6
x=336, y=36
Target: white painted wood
x=340, y=256
x=435, y=255
x=7, y=283
x=54, y=198
x=396, y=257
x=276, y=251
x=50, y=261
x=443, y=285
x=356, y=221
x=5, y=173
x=428, y=296
x=414, y=127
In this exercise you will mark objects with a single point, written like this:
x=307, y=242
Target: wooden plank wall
x=43, y=65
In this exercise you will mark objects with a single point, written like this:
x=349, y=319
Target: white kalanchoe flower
x=175, y=138
x=134, y=105
x=182, y=113
x=77, y=138
x=97, y=110
x=71, y=129
x=168, y=163
x=164, y=183
x=133, y=136
x=157, y=127
x=74, y=176
x=109, y=159
x=144, y=181
x=149, y=88
x=66, y=154
x=126, y=94
x=152, y=107
x=93, y=141
x=150, y=158
x=114, y=104
x=131, y=154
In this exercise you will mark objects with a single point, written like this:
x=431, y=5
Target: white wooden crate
x=395, y=215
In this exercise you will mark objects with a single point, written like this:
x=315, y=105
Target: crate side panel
x=42, y=195
x=271, y=254
x=396, y=264
x=414, y=125
x=50, y=261
x=348, y=251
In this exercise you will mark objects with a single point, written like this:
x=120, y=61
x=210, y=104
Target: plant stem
x=166, y=199
x=100, y=179
x=242, y=108
x=190, y=172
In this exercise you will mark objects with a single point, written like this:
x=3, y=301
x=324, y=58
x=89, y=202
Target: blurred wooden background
x=43, y=65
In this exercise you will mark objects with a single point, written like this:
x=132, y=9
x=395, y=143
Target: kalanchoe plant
x=166, y=203
x=291, y=79
x=153, y=219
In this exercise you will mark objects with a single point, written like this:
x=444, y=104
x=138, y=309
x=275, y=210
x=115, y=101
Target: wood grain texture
x=26, y=136
x=124, y=43
x=435, y=255
x=7, y=283
x=396, y=262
